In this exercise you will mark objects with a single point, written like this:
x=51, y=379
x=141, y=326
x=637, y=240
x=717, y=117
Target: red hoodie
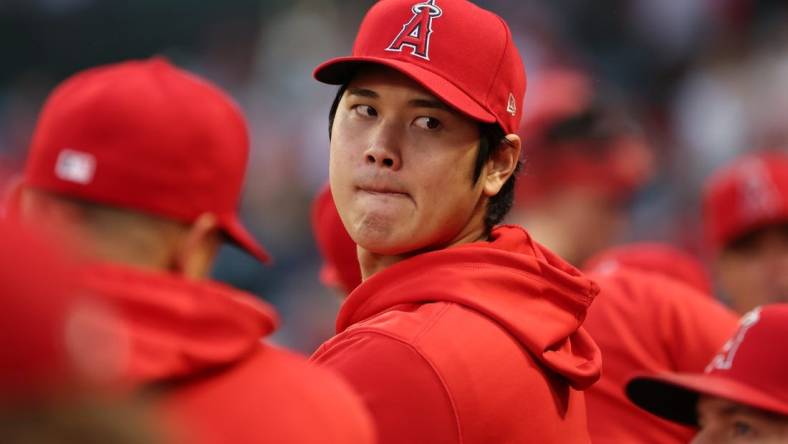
x=479, y=343
x=199, y=345
x=647, y=322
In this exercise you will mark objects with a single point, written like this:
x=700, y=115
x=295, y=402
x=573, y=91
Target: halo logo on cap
x=724, y=360
x=416, y=33
x=75, y=166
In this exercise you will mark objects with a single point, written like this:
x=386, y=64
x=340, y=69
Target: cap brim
x=238, y=234
x=675, y=396
x=339, y=71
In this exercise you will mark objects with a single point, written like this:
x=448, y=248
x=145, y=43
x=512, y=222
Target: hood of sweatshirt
x=158, y=327
x=540, y=299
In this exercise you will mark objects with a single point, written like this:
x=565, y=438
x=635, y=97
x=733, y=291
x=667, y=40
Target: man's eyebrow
x=362, y=92
x=430, y=103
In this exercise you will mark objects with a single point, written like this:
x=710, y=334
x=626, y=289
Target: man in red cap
x=461, y=331
x=746, y=225
x=585, y=159
x=142, y=164
x=648, y=317
x=742, y=397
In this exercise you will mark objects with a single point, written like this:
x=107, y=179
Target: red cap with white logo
x=147, y=136
x=750, y=193
x=751, y=370
x=458, y=51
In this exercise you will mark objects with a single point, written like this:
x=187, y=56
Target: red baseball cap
x=654, y=257
x=340, y=259
x=147, y=136
x=748, y=194
x=751, y=370
x=460, y=52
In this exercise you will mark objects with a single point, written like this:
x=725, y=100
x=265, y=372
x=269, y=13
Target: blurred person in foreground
x=746, y=226
x=461, y=331
x=741, y=397
x=653, y=314
x=584, y=161
x=47, y=391
x=142, y=165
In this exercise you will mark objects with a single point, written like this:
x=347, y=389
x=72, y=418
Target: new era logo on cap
x=75, y=166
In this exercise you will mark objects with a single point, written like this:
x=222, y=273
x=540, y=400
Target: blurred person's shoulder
x=275, y=395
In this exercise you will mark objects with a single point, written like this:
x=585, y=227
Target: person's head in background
x=584, y=160
x=745, y=208
x=142, y=163
x=49, y=393
x=742, y=397
x=340, y=270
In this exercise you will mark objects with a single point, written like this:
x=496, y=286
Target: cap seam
x=498, y=69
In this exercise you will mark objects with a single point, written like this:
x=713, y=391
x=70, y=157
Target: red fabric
x=655, y=258
x=647, y=322
x=479, y=343
x=465, y=56
x=199, y=344
x=148, y=136
x=750, y=369
x=34, y=313
x=750, y=193
x=340, y=259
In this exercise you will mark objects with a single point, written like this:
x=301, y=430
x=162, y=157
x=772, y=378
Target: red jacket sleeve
x=405, y=395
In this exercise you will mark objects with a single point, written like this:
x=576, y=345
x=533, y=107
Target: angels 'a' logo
x=416, y=33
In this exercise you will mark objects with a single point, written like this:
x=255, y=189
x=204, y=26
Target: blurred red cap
x=147, y=136
x=751, y=370
x=655, y=258
x=749, y=193
x=463, y=54
x=600, y=149
x=340, y=260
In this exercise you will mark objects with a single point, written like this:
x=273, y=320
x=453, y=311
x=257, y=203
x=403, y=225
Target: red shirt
x=198, y=344
x=479, y=343
x=647, y=322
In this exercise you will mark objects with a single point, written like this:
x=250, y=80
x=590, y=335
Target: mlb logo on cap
x=73, y=166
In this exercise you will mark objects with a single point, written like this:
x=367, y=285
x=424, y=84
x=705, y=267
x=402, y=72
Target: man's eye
x=429, y=123
x=365, y=110
x=741, y=428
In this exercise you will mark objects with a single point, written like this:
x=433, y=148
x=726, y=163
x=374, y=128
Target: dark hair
x=492, y=138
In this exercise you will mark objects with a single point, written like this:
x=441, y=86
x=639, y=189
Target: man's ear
x=195, y=253
x=502, y=164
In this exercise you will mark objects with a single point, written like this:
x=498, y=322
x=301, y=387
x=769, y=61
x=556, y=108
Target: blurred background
x=705, y=80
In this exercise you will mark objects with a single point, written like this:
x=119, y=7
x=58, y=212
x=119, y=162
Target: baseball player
x=142, y=164
x=584, y=162
x=648, y=318
x=741, y=397
x=746, y=225
x=461, y=331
